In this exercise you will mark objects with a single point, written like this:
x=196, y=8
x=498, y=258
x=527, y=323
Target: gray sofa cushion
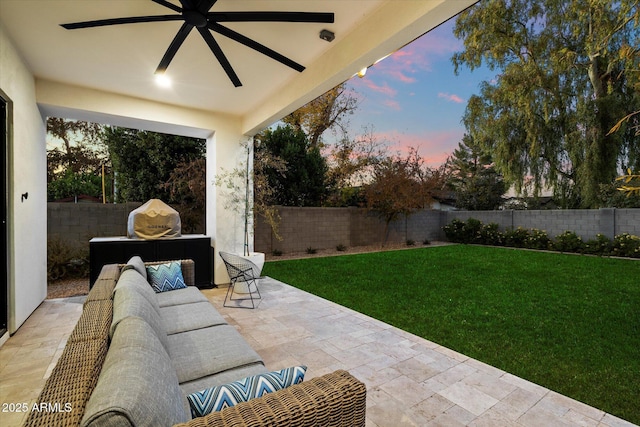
x=132, y=279
x=137, y=386
x=137, y=263
x=187, y=317
x=127, y=302
x=208, y=351
x=187, y=295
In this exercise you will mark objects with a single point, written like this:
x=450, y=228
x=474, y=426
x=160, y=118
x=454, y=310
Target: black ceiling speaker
x=195, y=13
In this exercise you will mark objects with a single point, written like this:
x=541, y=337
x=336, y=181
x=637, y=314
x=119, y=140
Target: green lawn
x=570, y=323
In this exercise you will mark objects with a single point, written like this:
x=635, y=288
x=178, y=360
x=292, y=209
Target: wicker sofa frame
x=335, y=399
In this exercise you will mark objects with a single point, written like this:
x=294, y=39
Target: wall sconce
x=362, y=72
x=24, y=197
x=327, y=35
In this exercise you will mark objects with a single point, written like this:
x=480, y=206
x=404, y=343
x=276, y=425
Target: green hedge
x=475, y=232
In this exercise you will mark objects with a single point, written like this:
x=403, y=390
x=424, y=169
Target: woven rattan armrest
x=332, y=400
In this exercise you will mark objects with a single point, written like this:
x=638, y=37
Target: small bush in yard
x=516, y=238
x=410, y=242
x=626, y=245
x=454, y=231
x=601, y=245
x=568, y=241
x=472, y=231
x=538, y=239
x=311, y=250
x=490, y=235
x=341, y=248
x=65, y=260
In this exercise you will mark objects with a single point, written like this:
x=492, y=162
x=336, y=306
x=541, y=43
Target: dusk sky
x=414, y=99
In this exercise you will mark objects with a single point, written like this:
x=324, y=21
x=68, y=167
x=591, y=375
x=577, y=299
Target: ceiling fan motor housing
x=195, y=18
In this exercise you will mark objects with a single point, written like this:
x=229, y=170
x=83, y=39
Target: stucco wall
x=27, y=166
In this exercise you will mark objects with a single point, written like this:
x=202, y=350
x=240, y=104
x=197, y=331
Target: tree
x=236, y=184
x=350, y=162
x=473, y=178
x=325, y=112
x=565, y=76
x=400, y=186
x=186, y=186
x=144, y=161
x=76, y=154
x=303, y=181
x=74, y=168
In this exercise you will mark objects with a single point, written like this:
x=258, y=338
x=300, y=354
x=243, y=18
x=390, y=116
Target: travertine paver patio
x=410, y=381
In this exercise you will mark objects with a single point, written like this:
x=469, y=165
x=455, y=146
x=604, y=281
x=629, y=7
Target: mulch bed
x=68, y=288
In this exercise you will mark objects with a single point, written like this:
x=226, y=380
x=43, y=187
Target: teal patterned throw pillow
x=165, y=277
x=224, y=396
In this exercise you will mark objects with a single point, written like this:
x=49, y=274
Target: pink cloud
x=384, y=89
x=451, y=97
x=417, y=57
x=393, y=104
x=434, y=147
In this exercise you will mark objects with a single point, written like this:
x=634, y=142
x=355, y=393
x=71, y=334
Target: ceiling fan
x=195, y=13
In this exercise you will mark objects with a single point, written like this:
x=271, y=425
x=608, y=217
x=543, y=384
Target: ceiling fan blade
x=316, y=17
x=205, y=5
x=118, y=21
x=171, y=6
x=182, y=34
x=217, y=51
x=255, y=46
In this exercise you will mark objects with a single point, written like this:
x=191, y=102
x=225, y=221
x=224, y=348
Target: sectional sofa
x=135, y=355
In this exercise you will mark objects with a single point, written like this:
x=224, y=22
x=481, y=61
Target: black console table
x=111, y=250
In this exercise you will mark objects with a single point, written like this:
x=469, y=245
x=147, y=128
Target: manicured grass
x=570, y=323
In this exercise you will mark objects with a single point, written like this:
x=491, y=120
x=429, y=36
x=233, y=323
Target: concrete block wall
x=303, y=228
x=627, y=221
x=586, y=223
x=323, y=228
x=77, y=223
x=424, y=225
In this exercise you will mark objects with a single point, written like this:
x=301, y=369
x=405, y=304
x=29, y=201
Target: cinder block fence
x=321, y=228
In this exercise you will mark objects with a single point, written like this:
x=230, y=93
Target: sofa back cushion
x=138, y=385
x=127, y=302
x=137, y=264
x=132, y=279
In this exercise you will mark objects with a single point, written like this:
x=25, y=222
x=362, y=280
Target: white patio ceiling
x=122, y=59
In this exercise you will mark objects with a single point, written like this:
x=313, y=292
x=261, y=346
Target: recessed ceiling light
x=163, y=80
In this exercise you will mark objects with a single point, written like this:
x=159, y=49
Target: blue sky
x=413, y=98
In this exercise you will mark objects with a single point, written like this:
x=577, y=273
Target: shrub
x=276, y=252
x=426, y=242
x=626, y=245
x=410, y=242
x=311, y=250
x=490, y=235
x=341, y=248
x=472, y=231
x=454, y=231
x=537, y=239
x=65, y=260
x=568, y=241
x=516, y=238
x=601, y=245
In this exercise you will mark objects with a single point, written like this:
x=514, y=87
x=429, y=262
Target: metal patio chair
x=241, y=270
